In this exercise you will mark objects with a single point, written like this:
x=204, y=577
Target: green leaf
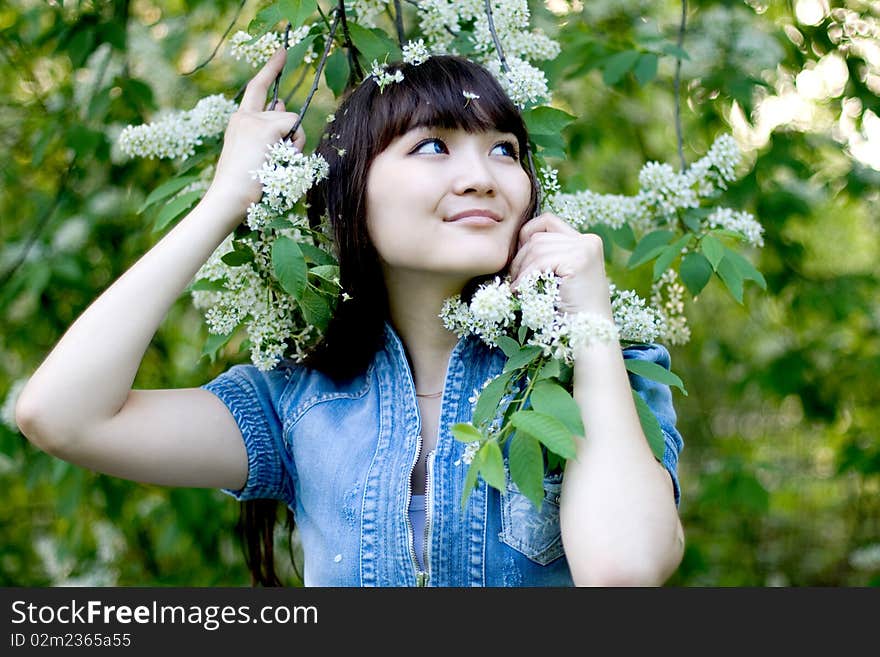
x=470, y=481
x=297, y=53
x=522, y=358
x=316, y=255
x=166, y=189
x=669, y=254
x=373, y=44
x=649, y=247
x=616, y=66
x=526, y=464
x=674, y=51
x=204, y=285
x=551, y=145
x=650, y=426
x=550, y=431
x=624, y=237
x=289, y=266
x=466, y=432
x=492, y=465
x=728, y=273
x=336, y=72
x=521, y=333
x=745, y=268
x=713, y=249
x=548, y=370
x=654, y=372
x=646, y=68
x=546, y=120
x=327, y=272
x=315, y=309
x=214, y=344
x=490, y=398
x=552, y=399
x=238, y=257
x=508, y=345
x=604, y=232
x=279, y=223
x=695, y=271
x=295, y=11
x=175, y=208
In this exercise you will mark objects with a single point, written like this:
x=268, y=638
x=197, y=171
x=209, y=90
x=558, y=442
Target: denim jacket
x=340, y=454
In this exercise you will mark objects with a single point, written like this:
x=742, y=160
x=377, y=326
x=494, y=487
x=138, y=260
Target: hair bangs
x=432, y=94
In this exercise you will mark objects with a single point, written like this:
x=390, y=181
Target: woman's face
x=446, y=201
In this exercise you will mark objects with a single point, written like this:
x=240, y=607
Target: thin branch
x=327, y=45
x=281, y=72
x=302, y=78
x=678, y=131
x=354, y=66
x=40, y=225
x=506, y=69
x=220, y=42
x=398, y=22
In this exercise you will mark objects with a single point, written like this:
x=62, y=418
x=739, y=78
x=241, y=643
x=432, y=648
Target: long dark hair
x=367, y=120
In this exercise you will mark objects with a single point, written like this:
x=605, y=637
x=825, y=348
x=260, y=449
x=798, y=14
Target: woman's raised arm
x=79, y=404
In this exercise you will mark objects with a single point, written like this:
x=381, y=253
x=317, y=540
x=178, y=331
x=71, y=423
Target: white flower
x=523, y=82
x=176, y=134
x=742, y=222
x=383, y=78
x=415, y=52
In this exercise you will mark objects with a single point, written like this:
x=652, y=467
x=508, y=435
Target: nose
x=472, y=174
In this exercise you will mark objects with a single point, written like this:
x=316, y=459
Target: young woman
x=428, y=195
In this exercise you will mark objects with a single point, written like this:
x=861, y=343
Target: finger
x=255, y=93
x=278, y=107
x=546, y=222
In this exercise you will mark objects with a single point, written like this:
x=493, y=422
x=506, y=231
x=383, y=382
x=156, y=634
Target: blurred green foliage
x=781, y=468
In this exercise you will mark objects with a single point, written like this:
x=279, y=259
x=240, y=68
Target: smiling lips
x=475, y=216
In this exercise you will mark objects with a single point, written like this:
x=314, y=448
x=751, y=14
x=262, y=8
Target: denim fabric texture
x=340, y=454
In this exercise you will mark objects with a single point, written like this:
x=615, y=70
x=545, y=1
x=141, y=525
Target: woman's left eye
x=507, y=148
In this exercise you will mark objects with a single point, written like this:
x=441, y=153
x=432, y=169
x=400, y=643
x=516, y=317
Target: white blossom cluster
x=250, y=297
x=177, y=134
x=367, y=10
x=585, y=209
x=251, y=294
x=441, y=22
x=637, y=320
x=741, y=222
x=667, y=298
x=254, y=51
x=415, y=52
x=493, y=309
x=663, y=192
x=379, y=73
x=257, y=51
x=286, y=176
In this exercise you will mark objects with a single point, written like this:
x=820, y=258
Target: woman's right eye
x=432, y=146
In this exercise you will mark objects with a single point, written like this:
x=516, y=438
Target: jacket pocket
x=533, y=532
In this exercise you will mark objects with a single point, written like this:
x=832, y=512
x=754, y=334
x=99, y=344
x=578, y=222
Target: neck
x=414, y=302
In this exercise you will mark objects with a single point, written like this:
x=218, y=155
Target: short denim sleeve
x=658, y=396
x=247, y=393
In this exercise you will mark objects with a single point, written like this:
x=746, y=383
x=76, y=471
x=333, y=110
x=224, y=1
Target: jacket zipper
x=422, y=577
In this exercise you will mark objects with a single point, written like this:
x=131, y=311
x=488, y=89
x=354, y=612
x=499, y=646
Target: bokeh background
x=781, y=467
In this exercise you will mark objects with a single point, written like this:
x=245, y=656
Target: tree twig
x=506, y=69
x=302, y=77
x=677, y=85
x=281, y=72
x=220, y=42
x=40, y=225
x=398, y=22
x=327, y=45
x=356, y=73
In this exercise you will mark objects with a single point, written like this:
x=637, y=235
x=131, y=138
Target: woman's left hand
x=550, y=243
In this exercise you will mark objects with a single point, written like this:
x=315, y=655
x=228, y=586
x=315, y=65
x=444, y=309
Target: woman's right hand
x=250, y=132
